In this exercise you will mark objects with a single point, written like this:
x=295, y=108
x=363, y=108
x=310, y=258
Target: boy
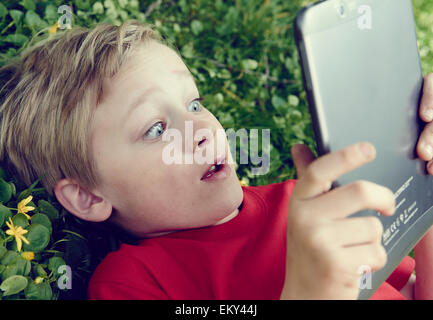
x=99, y=134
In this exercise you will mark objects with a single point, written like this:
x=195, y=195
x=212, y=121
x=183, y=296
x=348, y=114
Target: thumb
x=302, y=157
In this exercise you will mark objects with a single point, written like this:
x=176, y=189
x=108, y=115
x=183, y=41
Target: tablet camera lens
x=342, y=10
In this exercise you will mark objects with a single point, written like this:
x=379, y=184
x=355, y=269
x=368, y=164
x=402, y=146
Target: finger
x=320, y=174
x=430, y=167
x=351, y=198
x=357, y=262
x=302, y=157
x=355, y=231
x=424, y=147
x=426, y=105
x=365, y=257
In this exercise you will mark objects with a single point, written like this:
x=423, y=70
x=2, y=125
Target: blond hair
x=47, y=99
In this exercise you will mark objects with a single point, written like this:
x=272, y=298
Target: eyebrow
x=141, y=98
x=148, y=92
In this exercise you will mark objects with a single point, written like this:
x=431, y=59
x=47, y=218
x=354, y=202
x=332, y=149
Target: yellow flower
x=38, y=280
x=53, y=29
x=22, y=206
x=243, y=182
x=28, y=255
x=18, y=233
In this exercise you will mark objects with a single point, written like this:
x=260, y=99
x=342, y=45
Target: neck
x=224, y=220
x=228, y=218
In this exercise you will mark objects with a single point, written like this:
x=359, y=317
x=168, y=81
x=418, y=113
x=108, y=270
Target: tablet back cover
x=363, y=79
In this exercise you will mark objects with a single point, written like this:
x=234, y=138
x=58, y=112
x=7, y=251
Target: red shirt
x=243, y=258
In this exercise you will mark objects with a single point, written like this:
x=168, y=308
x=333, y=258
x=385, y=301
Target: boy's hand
x=425, y=142
x=325, y=248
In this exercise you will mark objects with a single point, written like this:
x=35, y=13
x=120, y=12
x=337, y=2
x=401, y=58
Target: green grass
x=423, y=10
x=241, y=53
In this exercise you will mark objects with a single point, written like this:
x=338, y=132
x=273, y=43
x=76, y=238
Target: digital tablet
x=363, y=79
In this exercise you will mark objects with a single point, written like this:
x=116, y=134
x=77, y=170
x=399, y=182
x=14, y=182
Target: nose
x=204, y=135
x=206, y=139
x=200, y=143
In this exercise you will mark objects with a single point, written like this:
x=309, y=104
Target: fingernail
x=367, y=150
x=428, y=150
x=428, y=114
x=430, y=166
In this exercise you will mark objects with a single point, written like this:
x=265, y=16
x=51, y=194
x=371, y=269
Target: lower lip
x=223, y=173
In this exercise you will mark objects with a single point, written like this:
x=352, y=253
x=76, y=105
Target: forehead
x=153, y=65
x=151, y=57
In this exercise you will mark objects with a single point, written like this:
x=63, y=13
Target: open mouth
x=213, y=170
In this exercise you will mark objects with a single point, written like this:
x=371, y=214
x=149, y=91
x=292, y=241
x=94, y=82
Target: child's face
x=147, y=194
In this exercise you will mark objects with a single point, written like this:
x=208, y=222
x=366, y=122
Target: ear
x=81, y=202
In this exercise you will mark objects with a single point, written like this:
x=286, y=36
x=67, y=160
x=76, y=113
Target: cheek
x=150, y=180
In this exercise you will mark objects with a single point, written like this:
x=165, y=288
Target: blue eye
x=159, y=129
x=195, y=104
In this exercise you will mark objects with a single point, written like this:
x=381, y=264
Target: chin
x=235, y=195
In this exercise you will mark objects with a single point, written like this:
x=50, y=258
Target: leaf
x=48, y=209
x=34, y=184
x=98, y=8
x=13, y=285
x=293, y=100
x=75, y=234
x=249, y=64
x=219, y=98
x=16, y=15
x=54, y=263
x=42, y=219
x=33, y=20
x=9, y=257
x=28, y=4
x=279, y=103
x=111, y=10
x=196, y=27
x=20, y=220
x=5, y=214
x=188, y=50
x=183, y=5
x=41, y=291
x=38, y=236
x=3, y=250
x=5, y=190
x=16, y=39
x=82, y=4
x=13, y=188
x=27, y=268
x=3, y=11
x=24, y=194
x=51, y=14
x=123, y=3
x=39, y=270
x=109, y=4
x=224, y=74
x=20, y=267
